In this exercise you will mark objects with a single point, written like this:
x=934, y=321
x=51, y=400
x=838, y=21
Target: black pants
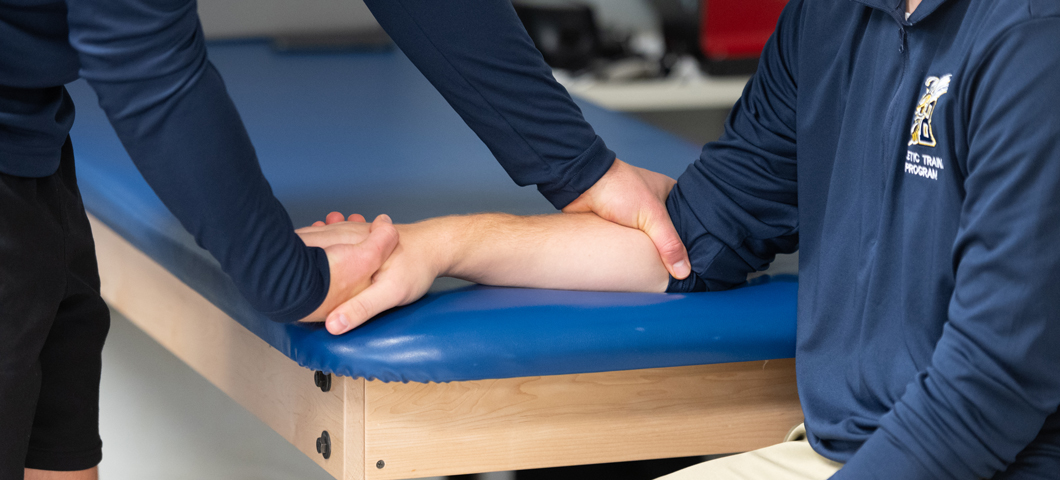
x=52, y=326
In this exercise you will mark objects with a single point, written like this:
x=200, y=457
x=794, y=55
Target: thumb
x=381, y=242
x=372, y=301
x=352, y=266
x=661, y=230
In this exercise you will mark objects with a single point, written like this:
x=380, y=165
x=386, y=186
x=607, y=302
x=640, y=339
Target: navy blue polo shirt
x=146, y=59
x=916, y=166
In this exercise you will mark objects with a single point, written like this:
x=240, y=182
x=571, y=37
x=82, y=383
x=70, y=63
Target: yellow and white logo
x=921, y=133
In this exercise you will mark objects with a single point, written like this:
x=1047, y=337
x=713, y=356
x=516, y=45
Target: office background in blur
x=635, y=26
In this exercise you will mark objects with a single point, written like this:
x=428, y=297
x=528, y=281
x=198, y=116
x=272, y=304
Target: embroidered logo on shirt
x=921, y=133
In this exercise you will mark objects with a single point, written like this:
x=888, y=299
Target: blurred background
x=677, y=64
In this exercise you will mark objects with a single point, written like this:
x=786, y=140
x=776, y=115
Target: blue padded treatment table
x=366, y=133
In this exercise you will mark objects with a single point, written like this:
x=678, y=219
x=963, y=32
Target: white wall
x=265, y=18
x=626, y=15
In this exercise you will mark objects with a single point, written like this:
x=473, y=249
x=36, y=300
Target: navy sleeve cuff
x=883, y=458
x=316, y=292
x=586, y=170
x=715, y=266
x=691, y=283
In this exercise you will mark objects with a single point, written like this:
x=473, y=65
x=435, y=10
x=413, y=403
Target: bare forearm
x=563, y=251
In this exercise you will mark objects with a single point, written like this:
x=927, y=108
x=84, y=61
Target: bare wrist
x=441, y=241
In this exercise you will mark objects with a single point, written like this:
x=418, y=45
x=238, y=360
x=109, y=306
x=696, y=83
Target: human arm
x=562, y=251
x=479, y=56
x=147, y=62
x=992, y=383
x=736, y=206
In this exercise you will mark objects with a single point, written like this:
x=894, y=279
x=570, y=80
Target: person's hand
x=353, y=257
x=402, y=279
x=636, y=198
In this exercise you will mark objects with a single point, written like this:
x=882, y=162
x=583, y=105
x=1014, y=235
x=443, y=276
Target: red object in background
x=737, y=29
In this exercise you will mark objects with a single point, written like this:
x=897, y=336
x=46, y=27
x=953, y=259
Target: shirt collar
x=896, y=9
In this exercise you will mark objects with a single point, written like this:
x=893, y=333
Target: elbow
x=118, y=43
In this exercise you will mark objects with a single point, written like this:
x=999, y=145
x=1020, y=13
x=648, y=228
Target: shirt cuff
x=881, y=457
x=318, y=290
x=587, y=169
x=715, y=266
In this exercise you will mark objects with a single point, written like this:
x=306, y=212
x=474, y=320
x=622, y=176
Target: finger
x=372, y=301
x=334, y=217
x=382, y=219
x=318, y=223
x=661, y=230
x=327, y=238
x=358, y=218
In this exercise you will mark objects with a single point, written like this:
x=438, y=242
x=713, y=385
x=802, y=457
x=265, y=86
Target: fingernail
x=384, y=218
x=681, y=269
x=339, y=324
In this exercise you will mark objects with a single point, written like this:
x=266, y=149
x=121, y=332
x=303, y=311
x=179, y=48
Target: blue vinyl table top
x=366, y=133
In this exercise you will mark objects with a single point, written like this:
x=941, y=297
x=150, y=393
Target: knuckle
x=358, y=310
x=671, y=246
x=371, y=257
x=387, y=230
x=386, y=241
x=381, y=237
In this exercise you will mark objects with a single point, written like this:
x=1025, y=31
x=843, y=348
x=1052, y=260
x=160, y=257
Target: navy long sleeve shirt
x=916, y=166
x=146, y=59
